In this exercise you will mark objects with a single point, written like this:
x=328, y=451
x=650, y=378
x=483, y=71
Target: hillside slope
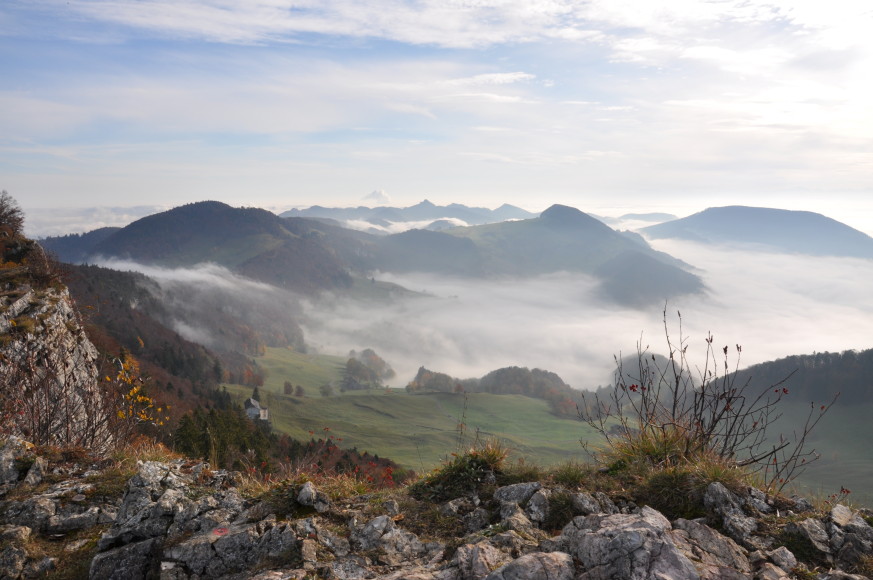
x=780, y=230
x=561, y=239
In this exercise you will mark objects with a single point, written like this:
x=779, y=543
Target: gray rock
x=36, y=472
x=12, y=448
x=539, y=566
x=802, y=504
x=518, y=493
x=783, y=558
x=13, y=558
x=537, y=509
x=586, y=504
x=476, y=520
x=722, y=502
x=14, y=534
x=812, y=530
x=714, y=554
x=13, y=554
x=368, y=537
x=770, y=571
x=840, y=575
x=626, y=546
x=516, y=544
x=351, y=567
x=457, y=506
x=134, y=560
x=476, y=561
x=309, y=496
x=33, y=512
x=392, y=507
x=850, y=522
x=757, y=500
x=514, y=518
x=65, y=523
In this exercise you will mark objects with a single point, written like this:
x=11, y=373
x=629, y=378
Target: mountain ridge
x=791, y=231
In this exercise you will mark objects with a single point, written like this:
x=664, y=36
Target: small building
x=255, y=411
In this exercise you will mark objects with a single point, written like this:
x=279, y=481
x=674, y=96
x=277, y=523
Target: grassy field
x=308, y=371
x=416, y=431
x=843, y=438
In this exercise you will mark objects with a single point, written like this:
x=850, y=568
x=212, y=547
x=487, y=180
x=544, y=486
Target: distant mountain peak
x=424, y=203
x=565, y=215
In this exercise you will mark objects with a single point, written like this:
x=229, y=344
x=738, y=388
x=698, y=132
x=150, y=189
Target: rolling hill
x=294, y=254
x=778, y=230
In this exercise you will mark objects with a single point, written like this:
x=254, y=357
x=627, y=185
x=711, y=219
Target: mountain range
x=382, y=216
x=777, y=230
x=309, y=255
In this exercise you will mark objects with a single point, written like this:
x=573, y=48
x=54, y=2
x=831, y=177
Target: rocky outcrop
x=182, y=521
x=49, y=368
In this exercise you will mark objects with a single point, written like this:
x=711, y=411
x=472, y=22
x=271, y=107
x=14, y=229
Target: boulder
x=518, y=493
x=626, y=546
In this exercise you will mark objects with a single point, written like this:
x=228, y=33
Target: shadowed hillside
x=781, y=230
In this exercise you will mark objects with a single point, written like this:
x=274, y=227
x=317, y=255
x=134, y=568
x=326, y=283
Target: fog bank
x=774, y=305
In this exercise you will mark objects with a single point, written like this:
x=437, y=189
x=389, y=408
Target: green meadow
x=419, y=430
x=415, y=430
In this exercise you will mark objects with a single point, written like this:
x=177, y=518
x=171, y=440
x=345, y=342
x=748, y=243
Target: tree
x=256, y=394
x=287, y=388
x=11, y=216
x=299, y=392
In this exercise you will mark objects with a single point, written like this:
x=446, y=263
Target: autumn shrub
x=54, y=394
x=668, y=414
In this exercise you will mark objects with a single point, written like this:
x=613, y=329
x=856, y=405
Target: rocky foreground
x=180, y=520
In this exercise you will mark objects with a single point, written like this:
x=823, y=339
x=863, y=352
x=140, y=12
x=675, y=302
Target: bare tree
x=669, y=412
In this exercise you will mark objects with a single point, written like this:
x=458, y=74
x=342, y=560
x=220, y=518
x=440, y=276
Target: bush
x=661, y=414
x=464, y=474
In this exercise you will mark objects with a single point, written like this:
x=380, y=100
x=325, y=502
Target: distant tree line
x=536, y=383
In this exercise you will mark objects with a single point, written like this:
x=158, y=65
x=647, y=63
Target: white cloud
x=378, y=196
x=492, y=79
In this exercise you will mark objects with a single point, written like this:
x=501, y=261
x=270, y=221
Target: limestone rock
x=626, y=546
x=309, y=496
x=770, y=571
x=813, y=531
x=518, y=493
x=714, y=555
x=739, y=526
x=538, y=566
x=476, y=561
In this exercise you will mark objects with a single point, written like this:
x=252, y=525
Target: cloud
x=774, y=305
x=59, y=221
x=377, y=196
x=202, y=300
x=492, y=79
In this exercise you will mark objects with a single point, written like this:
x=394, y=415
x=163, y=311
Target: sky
x=611, y=106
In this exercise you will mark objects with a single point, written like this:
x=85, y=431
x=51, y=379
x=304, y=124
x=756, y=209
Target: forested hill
x=818, y=377
x=310, y=256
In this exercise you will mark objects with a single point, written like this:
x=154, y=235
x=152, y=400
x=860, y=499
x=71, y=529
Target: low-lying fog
x=774, y=305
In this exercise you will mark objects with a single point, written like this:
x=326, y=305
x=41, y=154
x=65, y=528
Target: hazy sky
x=603, y=104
